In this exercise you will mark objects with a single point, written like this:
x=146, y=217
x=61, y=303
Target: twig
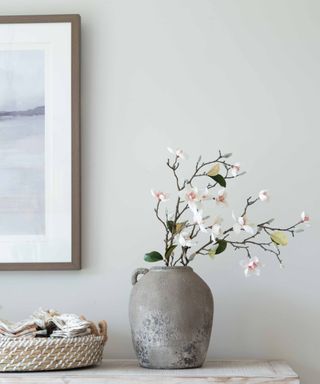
x=288, y=229
x=248, y=204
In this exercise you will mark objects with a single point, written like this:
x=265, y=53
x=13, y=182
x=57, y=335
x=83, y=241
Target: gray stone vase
x=171, y=312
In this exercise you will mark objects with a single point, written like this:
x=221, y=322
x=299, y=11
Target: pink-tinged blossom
x=194, y=196
x=221, y=197
x=160, y=196
x=235, y=169
x=264, y=195
x=253, y=267
x=191, y=195
x=178, y=152
x=305, y=217
x=241, y=223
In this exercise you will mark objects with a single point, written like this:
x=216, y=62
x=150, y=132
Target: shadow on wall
x=307, y=373
x=282, y=333
x=117, y=342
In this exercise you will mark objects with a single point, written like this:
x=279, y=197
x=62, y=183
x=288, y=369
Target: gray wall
x=242, y=76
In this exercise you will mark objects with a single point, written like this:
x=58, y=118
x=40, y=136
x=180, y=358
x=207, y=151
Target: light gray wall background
x=242, y=76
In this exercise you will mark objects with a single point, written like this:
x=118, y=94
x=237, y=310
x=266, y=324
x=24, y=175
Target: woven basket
x=47, y=354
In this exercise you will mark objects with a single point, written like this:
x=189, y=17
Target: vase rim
x=175, y=267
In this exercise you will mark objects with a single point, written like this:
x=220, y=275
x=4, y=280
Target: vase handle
x=136, y=273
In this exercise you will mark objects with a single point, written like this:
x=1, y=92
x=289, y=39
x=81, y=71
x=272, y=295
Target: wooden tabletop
x=127, y=371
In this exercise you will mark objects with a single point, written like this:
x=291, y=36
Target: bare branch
x=248, y=204
x=290, y=229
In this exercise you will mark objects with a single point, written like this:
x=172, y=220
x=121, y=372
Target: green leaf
x=279, y=238
x=221, y=247
x=151, y=257
x=220, y=180
x=171, y=226
x=169, y=251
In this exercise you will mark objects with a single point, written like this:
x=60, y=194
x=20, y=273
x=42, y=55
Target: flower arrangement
x=188, y=222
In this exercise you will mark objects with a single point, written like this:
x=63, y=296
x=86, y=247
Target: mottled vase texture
x=171, y=312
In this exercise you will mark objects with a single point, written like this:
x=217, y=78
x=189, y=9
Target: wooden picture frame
x=43, y=250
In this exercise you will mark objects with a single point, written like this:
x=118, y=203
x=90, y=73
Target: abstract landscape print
x=22, y=142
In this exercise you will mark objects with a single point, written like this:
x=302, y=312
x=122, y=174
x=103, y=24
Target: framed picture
x=39, y=142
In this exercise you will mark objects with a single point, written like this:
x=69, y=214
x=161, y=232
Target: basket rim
x=48, y=340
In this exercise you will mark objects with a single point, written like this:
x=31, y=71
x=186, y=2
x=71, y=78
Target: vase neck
x=174, y=268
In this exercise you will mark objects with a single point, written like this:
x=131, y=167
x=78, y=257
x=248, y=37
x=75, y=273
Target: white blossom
x=264, y=195
x=186, y=241
x=241, y=223
x=216, y=230
x=235, y=169
x=160, y=196
x=178, y=152
x=221, y=197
